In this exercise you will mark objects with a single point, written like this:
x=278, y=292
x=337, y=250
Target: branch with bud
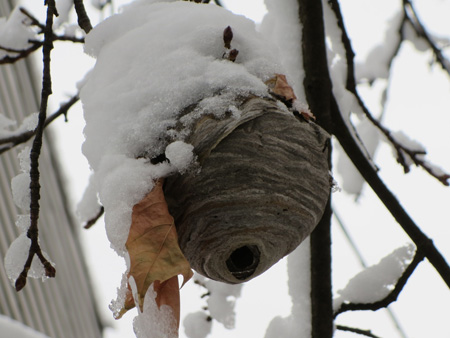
x=229, y=54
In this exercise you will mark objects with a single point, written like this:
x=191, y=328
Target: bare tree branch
x=20, y=54
x=366, y=333
x=391, y=297
x=32, y=232
x=12, y=141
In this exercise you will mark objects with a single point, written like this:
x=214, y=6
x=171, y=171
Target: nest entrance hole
x=243, y=261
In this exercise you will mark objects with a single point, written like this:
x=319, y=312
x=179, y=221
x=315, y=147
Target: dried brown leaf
x=155, y=256
x=282, y=90
x=281, y=87
x=168, y=293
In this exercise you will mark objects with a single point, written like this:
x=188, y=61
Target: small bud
x=21, y=282
x=227, y=37
x=50, y=270
x=232, y=55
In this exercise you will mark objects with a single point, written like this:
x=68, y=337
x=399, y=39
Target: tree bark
x=321, y=295
x=318, y=90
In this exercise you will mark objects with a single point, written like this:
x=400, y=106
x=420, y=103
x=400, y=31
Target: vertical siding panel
x=63, y=307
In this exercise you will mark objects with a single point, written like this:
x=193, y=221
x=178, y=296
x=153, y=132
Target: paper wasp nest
x=178, y=72
x=261, y=190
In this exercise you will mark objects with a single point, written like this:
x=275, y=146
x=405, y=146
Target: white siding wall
x=63, y=307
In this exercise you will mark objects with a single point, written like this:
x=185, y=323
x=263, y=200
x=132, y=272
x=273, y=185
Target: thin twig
x=366, y=333
x=34, y=21
x=391, y=297
x=20, y=53
x=94, y=220
x=56, y=37
x=32, y=232
x=35, y=45
x=83, y=19
x=12, y=141
x=412, y=17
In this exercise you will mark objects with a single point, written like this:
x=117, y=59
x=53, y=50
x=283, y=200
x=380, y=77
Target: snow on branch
x=25, y=132
x=365, y=168
x=404, y=152
x=380, y=59
x=361, y=162
x=32, y=232
x=20, y=30
x=376, y=280
x=411, y=152
x=406, y=25
x=412, y=17
x=407, y=151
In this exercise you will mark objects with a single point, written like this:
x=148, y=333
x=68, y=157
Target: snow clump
x=152, y=322
x=159, y=69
